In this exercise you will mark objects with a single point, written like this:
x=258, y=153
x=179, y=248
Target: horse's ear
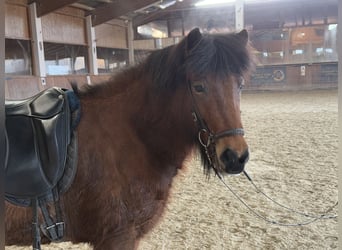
x=243, y=36
x=193, y=38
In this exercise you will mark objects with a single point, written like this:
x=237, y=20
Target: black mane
x=221, y=54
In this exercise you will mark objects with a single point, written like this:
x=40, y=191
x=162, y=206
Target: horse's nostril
x=244, y=157
x=228, y=157
x=232, y=162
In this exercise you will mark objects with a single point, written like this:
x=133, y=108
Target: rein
x=312, y=217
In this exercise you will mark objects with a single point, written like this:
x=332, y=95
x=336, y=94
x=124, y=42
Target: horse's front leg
x=122, y=241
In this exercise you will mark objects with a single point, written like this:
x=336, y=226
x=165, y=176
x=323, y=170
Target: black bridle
x=206, y=137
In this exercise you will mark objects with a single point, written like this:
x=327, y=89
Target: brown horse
x=136, y=131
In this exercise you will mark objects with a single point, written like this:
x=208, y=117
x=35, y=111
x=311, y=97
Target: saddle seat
x=40, y=105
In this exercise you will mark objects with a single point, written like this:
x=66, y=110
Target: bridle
x=206, y=137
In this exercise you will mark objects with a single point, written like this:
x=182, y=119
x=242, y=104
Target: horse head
x=215, y=66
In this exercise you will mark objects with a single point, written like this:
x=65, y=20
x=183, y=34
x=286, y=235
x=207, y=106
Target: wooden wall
x=144, y=44
x=150, y=44
x=317, y=76
x=64, y=26
x=19, y=87
x=112, y=35
x=16, y=24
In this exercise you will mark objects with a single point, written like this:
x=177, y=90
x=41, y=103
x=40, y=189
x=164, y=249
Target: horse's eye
x=199, y=87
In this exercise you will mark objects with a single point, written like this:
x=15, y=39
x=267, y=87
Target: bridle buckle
x=205, y=138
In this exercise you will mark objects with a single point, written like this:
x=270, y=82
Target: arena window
x=156, y=29
x=110, y=59
x=64, y=59
x=309, y=44
x=18, y=57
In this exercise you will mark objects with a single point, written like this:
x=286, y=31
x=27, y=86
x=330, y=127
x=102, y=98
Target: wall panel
x=16, y=22
x=21, y=87
x=64, y=28
x=317, y=76
x=111, y=36
x=144, y=44
x=168, y=41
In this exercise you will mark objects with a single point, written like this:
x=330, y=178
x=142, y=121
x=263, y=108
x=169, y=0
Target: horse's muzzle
x=232, y=162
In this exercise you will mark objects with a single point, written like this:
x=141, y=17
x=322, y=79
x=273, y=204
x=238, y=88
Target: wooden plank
x=239, y=15
x=111, y=36
x=16, y=24
x=37, y=43
x=116, y=9
x=46, y=6
x=62, y=28
x=159, y=15
x=91, y=41
x=144, y=44
x=19, y=87
x=130, y=39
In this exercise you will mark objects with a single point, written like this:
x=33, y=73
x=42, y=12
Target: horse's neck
x=161, y=123
x=165, y=126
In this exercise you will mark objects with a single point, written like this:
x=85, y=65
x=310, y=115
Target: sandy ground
x=293, y=144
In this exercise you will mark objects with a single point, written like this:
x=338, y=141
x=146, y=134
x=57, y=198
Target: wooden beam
x=158, y=15
x=46, y=6
x=239, y=15
x=116, y=9
x=173, y=12
x=130, y=40
x=37, y=44
x=91, y=41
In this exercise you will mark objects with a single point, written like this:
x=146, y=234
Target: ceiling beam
x=175, y=11
x=46, y=6
x=116, y=9
x=141, y=20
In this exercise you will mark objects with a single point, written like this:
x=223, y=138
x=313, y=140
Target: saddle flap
x=38, y=133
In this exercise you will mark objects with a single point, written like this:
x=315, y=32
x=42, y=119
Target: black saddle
x=41, y=151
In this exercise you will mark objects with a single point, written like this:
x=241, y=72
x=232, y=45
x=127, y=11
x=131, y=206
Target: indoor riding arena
x=287, y=197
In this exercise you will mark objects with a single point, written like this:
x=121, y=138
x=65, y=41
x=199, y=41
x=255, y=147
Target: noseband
x=206, y=137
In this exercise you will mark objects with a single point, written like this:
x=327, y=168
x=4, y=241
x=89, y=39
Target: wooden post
x=130, y=41
x=38, y=57
x=239, y=15
x=91, y=41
